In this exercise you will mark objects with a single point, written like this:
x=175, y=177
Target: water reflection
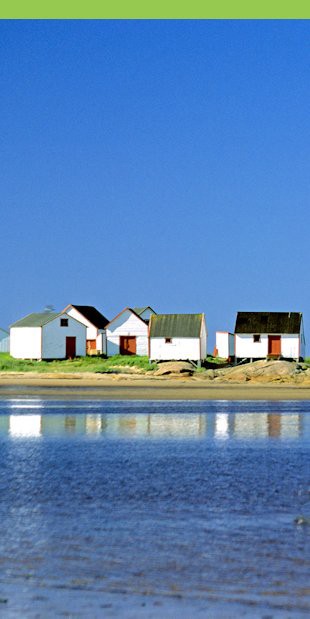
x=217, y=426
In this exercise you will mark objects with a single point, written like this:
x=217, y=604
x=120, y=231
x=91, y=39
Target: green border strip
x=137, y=9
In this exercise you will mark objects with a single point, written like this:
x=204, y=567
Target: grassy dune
x=80, y=364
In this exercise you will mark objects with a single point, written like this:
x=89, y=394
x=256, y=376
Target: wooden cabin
x=95, y=324
x=177, y=337
x=274, y=335
x=127, y=333
x=48, y=335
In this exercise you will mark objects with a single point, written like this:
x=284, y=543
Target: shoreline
x=144, y=388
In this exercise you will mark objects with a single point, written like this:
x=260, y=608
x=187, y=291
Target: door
x=127, y=345
x=274, y=345
x=70, y=347
x=91, y=345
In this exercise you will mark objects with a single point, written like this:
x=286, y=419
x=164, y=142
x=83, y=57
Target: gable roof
x=175, y=325
x=127, y=309
x=36, y=320
x=92, y=314
x=140, y=310
x=268, y=322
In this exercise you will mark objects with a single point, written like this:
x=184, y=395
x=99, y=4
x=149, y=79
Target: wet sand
x=143, y=388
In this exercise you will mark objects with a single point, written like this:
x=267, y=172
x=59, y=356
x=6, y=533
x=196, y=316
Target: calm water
x=154, y=509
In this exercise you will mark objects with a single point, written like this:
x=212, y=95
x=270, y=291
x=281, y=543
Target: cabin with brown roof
x=274, y=335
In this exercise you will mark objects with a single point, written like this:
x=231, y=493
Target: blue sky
x=161, y=163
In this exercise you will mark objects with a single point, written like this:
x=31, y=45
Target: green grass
x=79, y=364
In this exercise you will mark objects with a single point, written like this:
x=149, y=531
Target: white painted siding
x=101, y=342
x=181, y=348
x=246, y=348
x=225, y=344
x=222, y=344
x=25, y=342
x=92, y=331
x=290, y=346
x=127, y=324
x=4, y=341
x=54, y=338
x=203, y=340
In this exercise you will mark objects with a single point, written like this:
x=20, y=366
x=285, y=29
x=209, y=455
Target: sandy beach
x=137, y=387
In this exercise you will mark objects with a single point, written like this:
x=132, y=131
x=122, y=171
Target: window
x=64, y=322
x=168, y=340
x=256, y=337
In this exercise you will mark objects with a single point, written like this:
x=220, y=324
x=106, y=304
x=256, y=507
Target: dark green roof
x=268, y=322
x=36, y=320
x=175, y=325
x=140, y=310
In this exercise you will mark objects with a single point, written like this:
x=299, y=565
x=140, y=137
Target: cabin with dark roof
x=95, y=324
x=177, y=337
x=274, y=335
x=127, y=333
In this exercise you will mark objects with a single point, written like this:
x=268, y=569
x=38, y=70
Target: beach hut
x=261, y=335
x=95, y=324
x=177, y=337
x=47, y=335
x=127, y=333
x=4, y=341
x=224, y=345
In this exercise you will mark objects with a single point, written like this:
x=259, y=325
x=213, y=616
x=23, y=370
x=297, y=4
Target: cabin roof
x=36, y=320
x=140, y=310
x=175, y=325
x=268, y=322
x=92, y=314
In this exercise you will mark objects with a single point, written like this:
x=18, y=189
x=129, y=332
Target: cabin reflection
x=216, y=426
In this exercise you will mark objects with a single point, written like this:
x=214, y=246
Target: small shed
x=127, y=333
x=95, y=324
x=224, y=345
x=4, y=341
x=177, y=337
x=259, y=335
x=47, y=335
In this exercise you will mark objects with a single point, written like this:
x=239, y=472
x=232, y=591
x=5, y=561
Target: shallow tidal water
x=154, y=509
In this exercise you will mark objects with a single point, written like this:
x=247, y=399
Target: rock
x=175, y=367
x=301, y=520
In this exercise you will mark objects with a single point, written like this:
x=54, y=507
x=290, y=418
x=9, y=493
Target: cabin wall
x=203, y=340
x=246, y=348
x=225, y=344
x=222, y=344
x=127, y=324
x=101, y=342
x=290, y=346
x=4, y=342
x=181, y=348
x=54, y=338
x=25, y=342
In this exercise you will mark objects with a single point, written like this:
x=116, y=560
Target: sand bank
x=122, y=387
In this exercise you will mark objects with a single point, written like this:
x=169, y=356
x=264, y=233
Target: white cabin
x=224, y=345
x=177, y=337
x=259, y=335
x=4, y=341
x=95, y=324
x=127, y=333
x=48, y=335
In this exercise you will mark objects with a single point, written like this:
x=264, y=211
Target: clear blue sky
x=161, y=163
